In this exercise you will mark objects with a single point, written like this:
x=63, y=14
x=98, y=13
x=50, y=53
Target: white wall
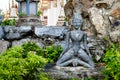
x=53, y=14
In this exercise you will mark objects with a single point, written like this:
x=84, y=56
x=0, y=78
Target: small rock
x=22, y=41
x=1, y=33
x=25, y=29
x=115, y=35
x=13, y=36
x=99, y=22
x=4, y=45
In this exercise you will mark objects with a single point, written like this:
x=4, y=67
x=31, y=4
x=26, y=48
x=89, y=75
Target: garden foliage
x=112, y=60
x=52, y=53
x=26, y=62
x=9, y=22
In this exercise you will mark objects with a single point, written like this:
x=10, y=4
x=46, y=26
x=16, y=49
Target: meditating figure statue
x=78, y=53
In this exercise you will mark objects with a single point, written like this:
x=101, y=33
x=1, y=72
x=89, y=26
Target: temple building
x=53, y=12
x=28, y=13
x=28, y=7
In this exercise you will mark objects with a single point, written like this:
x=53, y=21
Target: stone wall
x=44, y=36
x=101, y=17
x=13, y=36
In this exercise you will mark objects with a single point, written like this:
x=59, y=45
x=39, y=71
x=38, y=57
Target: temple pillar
x=28, y=7
x=19, y=7
x=36, y=8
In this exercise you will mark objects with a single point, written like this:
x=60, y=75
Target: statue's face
x=77, y=21
x=77, y=24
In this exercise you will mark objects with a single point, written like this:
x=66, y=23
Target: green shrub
x=33, y=65
x=32, y=46
x=14, y=67
x=39, y=13
x=15, y=52
x=112, y=60
x=45, y=76
x=22, y=14
x=52, y=53
x=9, y=22
x=27, y=61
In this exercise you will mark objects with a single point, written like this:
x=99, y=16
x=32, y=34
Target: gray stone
x=97, y=47
x=11, y=29
x=4, y=45
x=1, y=33
x=53, y=32
x=66, y=73
x=16, y=32
x=25, y=29
x=12, y=36
x=99, y=19
x=115, y=35
x=22, y=41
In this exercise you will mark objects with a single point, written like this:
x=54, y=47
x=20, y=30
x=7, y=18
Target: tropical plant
x=52, y=53
x=9, y=22
x=26, y=62
x=39, y=13
x=13, y=66
x=112, y=60
x=21, y=14
x=32, y=47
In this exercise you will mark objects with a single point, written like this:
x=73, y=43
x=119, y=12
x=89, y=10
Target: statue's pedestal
x=75, y=72
x=29, y=21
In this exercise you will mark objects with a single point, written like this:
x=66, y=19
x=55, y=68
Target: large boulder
x=13, y=33
x=52, y=32
x=100, y=21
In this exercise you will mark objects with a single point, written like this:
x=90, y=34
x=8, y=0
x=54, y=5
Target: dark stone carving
x=78, y=53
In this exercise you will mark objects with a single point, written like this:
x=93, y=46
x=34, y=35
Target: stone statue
x=78, y=53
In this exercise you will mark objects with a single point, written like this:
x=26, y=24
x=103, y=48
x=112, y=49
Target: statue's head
x=77, y=21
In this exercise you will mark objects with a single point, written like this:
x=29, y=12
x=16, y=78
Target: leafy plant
x=66, y=19
x=22, y=14
x=13, y=66
x=45, y=76
x=39, y=13
x=52, y=53
x=32, y=47
x=26, y=62
x=112, y=60
x=9, y=22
